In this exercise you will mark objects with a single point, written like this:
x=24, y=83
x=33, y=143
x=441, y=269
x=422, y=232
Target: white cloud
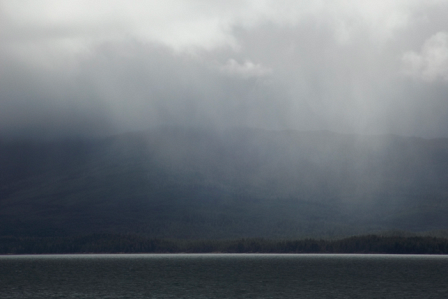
x=245, y=70
x=431, y=63
x=195, y=23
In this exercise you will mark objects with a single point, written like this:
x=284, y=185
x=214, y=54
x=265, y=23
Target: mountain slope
x=186, y=183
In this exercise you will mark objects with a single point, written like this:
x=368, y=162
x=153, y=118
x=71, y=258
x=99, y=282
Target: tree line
x=127, y=243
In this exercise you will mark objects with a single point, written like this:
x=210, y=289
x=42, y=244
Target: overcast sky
x=106, y=66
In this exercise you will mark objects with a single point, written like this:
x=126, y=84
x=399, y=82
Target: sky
x=89, y=68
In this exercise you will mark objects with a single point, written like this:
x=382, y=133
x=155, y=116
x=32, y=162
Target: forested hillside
x=105, y=243
x=187, y=183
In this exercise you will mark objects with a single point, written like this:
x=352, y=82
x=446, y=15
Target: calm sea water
x=223, y=276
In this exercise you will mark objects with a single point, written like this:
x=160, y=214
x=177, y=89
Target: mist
x=91, y=70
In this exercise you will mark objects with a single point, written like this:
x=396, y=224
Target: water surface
x=223, y=276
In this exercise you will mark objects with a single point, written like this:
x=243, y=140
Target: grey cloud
x=129, y=86
x=356, y=86
x=300, y=75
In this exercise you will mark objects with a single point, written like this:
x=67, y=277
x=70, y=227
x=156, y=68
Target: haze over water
x=223, y=276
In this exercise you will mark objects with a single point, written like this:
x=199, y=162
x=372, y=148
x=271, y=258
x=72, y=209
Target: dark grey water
x=223, y=276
